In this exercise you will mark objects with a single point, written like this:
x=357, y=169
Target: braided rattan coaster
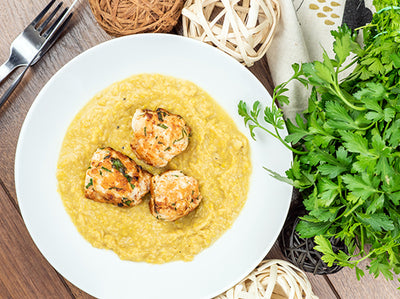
x=124, y=17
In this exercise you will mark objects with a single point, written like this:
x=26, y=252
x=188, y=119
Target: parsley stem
x=353, y=209
x=278, y=136
x=362, y=242
x=342, y=200
x=255, y=120
x=339, y=93
x=347, y=66
x=287, y=145
x=366, y=128
x=364, y=257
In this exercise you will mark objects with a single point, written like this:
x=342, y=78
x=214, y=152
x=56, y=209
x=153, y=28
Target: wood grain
x=348, y=287
x=83, y=33
x=24, y=271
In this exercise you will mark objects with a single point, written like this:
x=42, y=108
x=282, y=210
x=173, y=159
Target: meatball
x=173, y=195
x=158, y=136
x=115, y=178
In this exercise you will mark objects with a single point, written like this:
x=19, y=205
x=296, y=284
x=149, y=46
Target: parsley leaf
x=346, y=145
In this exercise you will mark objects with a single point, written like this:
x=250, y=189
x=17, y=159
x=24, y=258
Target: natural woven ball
x=124, y=17
x=272, y=279
x=243, y=29
x=300, y=251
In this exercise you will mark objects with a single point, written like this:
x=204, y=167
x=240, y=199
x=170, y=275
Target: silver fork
x=21, y=52
x=33, y=43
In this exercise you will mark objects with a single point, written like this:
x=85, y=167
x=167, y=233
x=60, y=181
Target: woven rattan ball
x=244, y=29
x=272, y=279
x=300, y=251
x=124, y=17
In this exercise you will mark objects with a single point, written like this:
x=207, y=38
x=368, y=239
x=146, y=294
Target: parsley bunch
x=346, y=145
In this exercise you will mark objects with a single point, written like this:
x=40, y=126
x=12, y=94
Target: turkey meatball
x=173, y=195
x=158, y=136
x=115, y=178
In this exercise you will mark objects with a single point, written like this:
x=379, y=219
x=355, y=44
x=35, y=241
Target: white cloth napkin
x=303, y=33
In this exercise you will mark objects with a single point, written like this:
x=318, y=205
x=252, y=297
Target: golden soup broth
x=218, y=156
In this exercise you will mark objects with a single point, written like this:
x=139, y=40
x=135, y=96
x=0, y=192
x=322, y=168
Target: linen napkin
x=303, y=33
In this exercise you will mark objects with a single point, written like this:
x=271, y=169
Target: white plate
x=100, y=272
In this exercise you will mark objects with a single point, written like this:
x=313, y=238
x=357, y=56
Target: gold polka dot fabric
x=329, y=12
x=317, y=18
x=304, y=30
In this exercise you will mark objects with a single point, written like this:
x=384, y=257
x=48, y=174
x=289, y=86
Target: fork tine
x=54, y=38
x=49, y=30
x=57, y=34
x=42, y=13
x=45, y=22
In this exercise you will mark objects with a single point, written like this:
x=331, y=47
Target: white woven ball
x=243, y=29
x=272, y=279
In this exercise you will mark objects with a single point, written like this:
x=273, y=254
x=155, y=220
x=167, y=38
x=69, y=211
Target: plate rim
x=59, y=72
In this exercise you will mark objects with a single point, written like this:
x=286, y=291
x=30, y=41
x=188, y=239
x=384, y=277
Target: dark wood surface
x=24, y=272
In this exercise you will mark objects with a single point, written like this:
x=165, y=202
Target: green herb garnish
x=115, y=188
x=346, y=145
x=90, y=183
x=129, y=178
x=118, y=165
x=160, y=116
x=162, y=126
x=183, y=136
x=126, y=202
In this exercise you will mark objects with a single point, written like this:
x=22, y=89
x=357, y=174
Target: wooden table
x=24, y=272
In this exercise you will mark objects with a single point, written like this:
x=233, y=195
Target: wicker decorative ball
x=124, y=17
x=300, y=251
x=272, y=279
x=243, y=29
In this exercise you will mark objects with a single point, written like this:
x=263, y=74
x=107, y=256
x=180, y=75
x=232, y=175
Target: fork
x=33, y=43
x=20, y=53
